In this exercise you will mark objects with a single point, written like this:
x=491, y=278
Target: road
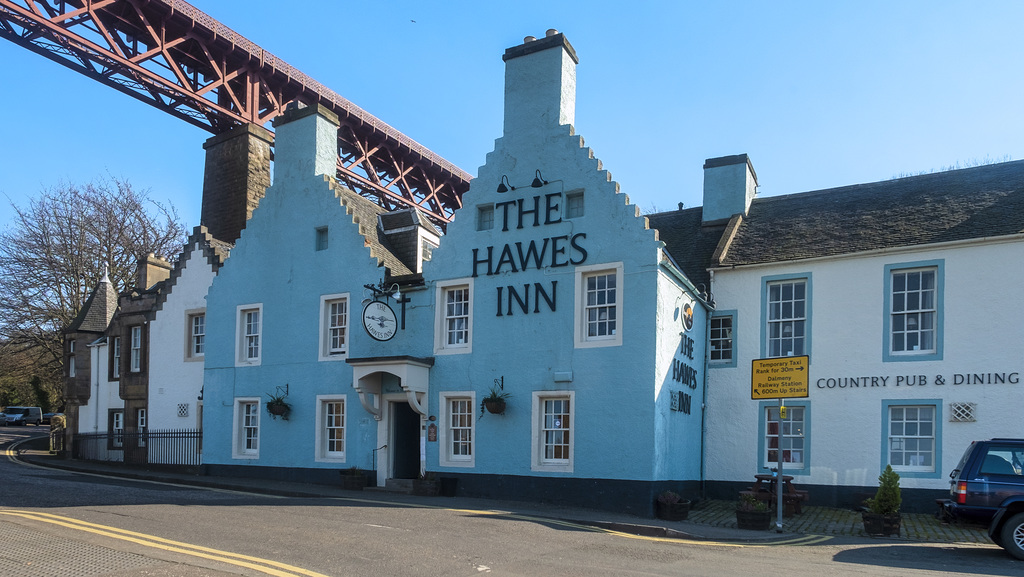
x=58, y=523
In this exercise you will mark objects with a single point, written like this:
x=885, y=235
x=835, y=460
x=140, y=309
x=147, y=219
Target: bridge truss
x=180, y=60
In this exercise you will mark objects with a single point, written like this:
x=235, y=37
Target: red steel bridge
x=180, y=60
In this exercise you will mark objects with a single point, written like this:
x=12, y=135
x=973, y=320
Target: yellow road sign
x=779, y=378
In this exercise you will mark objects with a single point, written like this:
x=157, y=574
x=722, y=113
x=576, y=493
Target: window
x=116, y=425
x=454, y=333
x=140, y=421
x=330, y=429
x=248, y=334
x=321, y=238
x=458, y=428
x=599, y=305
x=115, y=357
x=913, y=319
x=911, y=439
x=786, y=307
x=333, y=327
x=485, y=217
x=794, y=449
x=574, y=205
x=721, y=345
x=553, y=444
x=246, y=442
x=196, y=327
x=71, y=358
x=136, y=349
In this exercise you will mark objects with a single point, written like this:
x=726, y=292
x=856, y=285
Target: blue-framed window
x=796, y=436
x=912, y=437
x=912, y=320
x=786, y=315
x=722, y=343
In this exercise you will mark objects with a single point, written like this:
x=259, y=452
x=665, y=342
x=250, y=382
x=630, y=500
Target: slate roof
x=690, y=244
x=955, y=205
x=364, y=213
x=98, y=309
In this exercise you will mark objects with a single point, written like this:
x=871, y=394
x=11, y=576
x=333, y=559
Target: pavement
x=708, y=520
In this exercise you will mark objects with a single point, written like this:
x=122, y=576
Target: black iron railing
x=172, y=447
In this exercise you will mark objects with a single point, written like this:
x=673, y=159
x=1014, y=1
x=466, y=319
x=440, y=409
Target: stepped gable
x=690, y=244
x=98, y=310
x=365, y=215
x=956, y=205
x=214, y=251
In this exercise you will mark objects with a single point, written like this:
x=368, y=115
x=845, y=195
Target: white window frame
x=580, y=334
x=893, y=309
x=141, y=418
x=117, y=429
x=323, y=452
x=327, y=353
x=798, y=320
x=797, y=430
x=240, y=432
x=115, y=361
x=72, y=370
x=538, y=462
x=242, y=337
x=441, y=346
x=135, y=362
x=191, y=336
x=445, y=433
x=717, y=337
x=933, y=470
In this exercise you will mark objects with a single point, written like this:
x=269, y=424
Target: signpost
x=779, y=378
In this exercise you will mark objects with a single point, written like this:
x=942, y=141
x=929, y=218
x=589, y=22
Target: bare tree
x=58, y=248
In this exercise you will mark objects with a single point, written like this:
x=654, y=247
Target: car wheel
x=1012, y=536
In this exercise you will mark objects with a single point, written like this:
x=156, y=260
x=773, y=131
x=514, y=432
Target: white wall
x=174, y=377
x=982, y=323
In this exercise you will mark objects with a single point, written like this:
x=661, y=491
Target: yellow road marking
x=262, y=565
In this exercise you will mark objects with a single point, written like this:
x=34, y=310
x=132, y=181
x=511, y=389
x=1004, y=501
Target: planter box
x=753, y=520
x=877, y=524
x=672, y=511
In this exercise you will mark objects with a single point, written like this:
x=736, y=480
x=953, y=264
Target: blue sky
x=819, y=94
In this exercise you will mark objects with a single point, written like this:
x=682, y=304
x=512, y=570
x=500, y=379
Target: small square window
x=574, y=205
x=485, y=217
x=321, y=238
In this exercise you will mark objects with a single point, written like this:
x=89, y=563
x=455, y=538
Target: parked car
x=23, y=415
x=48, y=417
x=3, y=419
x=987, y=486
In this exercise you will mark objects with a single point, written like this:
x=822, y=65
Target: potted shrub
x=753, y=514
x=494, y=402
x=353, y=479
x=669, y=506
x=883, y=510
x=277, y=407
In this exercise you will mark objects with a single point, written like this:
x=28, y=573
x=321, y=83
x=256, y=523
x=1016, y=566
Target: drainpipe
x=704, y=396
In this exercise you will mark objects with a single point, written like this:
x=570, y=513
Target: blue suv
x=987, y=486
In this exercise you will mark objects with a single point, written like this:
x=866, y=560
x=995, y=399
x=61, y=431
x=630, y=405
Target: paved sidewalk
x=709, y=520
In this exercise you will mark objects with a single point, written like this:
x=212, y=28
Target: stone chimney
x=151, y=270
x=540, y=85
x=306, y=142
x=730, y=184
x=236, y=177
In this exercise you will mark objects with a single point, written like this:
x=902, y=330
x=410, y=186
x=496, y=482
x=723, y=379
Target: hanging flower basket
x=495, y=407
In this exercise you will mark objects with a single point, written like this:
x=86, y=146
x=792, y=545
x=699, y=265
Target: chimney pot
x=529, y=39
x=551, y=32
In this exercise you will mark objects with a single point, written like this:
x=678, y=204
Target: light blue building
x=385, y=338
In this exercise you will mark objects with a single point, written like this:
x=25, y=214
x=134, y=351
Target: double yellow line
x=255, y=563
